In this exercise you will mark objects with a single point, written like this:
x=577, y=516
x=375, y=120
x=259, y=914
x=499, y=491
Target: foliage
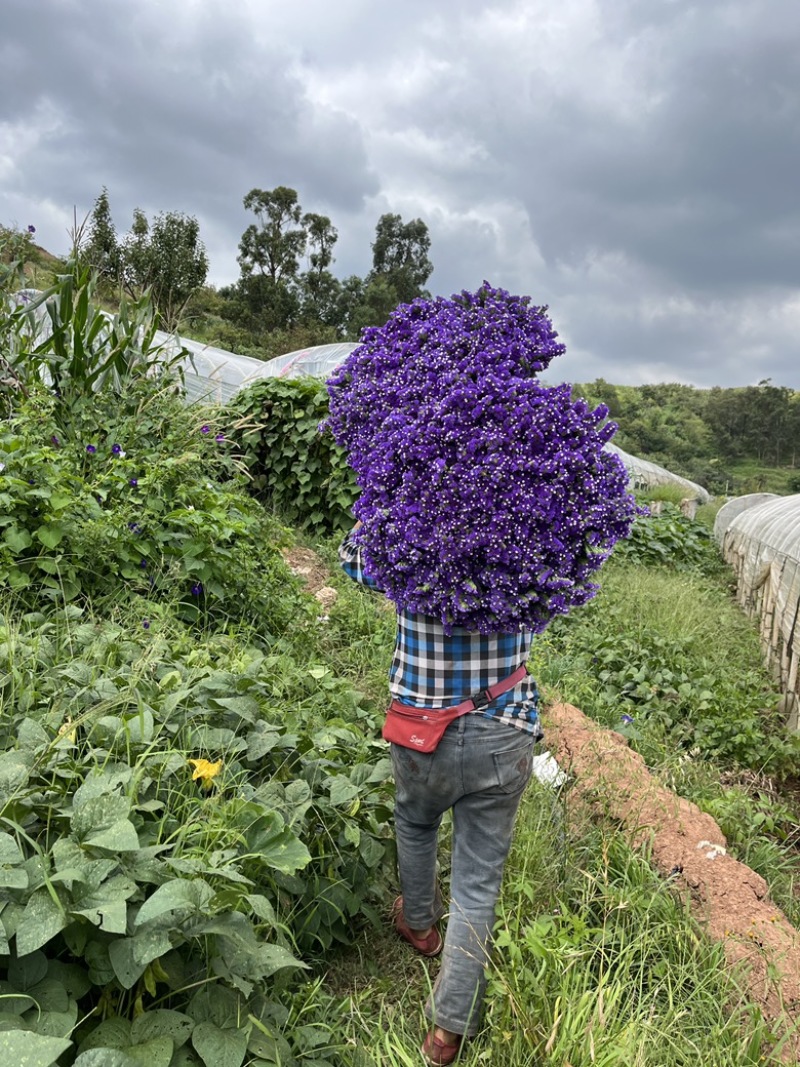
x=488, y=500
x=657, y=673
x=293, y=464
x=101, y=248
x=671, y=538
x=400, y=256
x=125, y=885
x=168, y=259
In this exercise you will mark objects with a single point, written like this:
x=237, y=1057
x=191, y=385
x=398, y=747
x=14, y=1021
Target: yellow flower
x=205, y=772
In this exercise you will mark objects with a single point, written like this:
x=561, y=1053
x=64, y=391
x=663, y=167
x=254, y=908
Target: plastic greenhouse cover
x=728, y=512
x=647, y=475
x=762, y=544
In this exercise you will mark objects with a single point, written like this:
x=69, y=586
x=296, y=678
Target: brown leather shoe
x=439, y=1053
x=430, y=945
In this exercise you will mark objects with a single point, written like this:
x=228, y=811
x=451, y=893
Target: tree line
x=702, y=432
x=286, y=287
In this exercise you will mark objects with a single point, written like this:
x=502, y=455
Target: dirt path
x=729, y=899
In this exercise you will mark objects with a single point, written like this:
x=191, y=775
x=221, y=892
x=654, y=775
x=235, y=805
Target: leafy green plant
x=669, y=537
x=293, y=465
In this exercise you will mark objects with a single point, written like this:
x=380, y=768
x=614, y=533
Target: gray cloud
x=630, y=162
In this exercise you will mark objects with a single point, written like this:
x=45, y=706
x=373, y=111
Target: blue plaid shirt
x=431, y=669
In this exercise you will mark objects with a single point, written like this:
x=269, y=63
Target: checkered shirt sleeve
x=432, y=669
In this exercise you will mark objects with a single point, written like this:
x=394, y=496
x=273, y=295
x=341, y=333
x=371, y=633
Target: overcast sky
x=635, y=164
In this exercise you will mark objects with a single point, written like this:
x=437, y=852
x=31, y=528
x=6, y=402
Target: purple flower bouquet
x=487, y=498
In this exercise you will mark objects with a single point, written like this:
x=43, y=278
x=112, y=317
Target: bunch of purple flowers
x=487, y=499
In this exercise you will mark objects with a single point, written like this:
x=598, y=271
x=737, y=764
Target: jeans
x=480, y=770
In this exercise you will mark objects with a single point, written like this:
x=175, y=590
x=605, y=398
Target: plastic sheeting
x=213, y=375
x=762, y=544
x=647, y=475
x=728, y=512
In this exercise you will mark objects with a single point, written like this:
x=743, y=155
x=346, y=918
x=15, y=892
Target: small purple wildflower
x=143, y=564
x=220, y=438
x=91, y=449
x=31, y=229
x=55, y=441
x=133, y=481
x=205, y=429
x=146, y=624
x=626, y=720
x=197, y=589
x=134, y=527
x=116, y=449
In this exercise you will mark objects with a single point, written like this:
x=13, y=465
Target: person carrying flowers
x=487, y=503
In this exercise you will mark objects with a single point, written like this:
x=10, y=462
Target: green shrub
x=159, y=801
x=293, y=465
x=671, y=538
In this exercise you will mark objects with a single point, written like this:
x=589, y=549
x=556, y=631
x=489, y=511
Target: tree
x=168, y=258
x=400, y=256
x=319, y=289
x=102, y=249
x=274, y=246
x=269, y=257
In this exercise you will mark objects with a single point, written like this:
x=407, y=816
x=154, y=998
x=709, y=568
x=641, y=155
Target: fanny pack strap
x=473, y=703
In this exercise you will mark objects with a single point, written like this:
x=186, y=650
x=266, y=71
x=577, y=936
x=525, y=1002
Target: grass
x=599, y=960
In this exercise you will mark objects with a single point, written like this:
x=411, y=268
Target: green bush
x=670, y=537
x=293, y=465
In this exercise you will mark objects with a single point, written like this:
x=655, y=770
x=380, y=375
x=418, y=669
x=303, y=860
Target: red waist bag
x=422, y=728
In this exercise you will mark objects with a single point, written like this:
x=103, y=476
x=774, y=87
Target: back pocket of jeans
x=513, y=767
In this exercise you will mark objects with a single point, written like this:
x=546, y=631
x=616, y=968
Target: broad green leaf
x=121, y=836
x=25, y=972
x=178, y=895
x=218, y=1047
x=109, y=1034
x=51, y=534
x=95, y=813
x=154, y=1053
x=13, y=776
x=50, y=995
x=276, y=845
x=12, y=875
x=141, y=727
x=106, y=906
x=163, y=1022
x=17, y=539
x=130, y=955
x=342, y=790
x=105, y=1057
x=42, y=920
x=25, y=1049
x=53, y=1023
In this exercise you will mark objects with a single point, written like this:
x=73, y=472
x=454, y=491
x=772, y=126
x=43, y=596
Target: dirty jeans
x=480, y=770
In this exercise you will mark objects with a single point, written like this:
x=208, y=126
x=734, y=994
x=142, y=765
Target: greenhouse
x=212, y=375
x=647, y=475
x=762, y=545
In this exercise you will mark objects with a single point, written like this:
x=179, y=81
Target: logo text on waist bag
x=416, y=740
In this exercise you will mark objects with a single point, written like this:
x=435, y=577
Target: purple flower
x=146, y=624
x=134, y=527
x=31, y=229
x=220, y=438
x=197, y=589
x=143, y=564
x=626, y=720
x=205, y=429
x=91, y=449
x=55, y=441
x=116, y=449
x=133, y=481
x=487, y=499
